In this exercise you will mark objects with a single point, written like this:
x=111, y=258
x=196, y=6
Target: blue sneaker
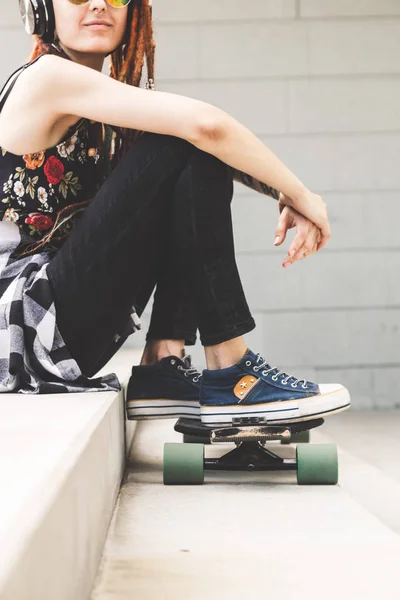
x=169, y=388
x=252, y=388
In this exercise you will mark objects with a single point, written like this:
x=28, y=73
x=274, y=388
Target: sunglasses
x=114, y=3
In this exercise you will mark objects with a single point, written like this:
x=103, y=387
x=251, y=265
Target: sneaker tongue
x=253, y=356
x=187, y=360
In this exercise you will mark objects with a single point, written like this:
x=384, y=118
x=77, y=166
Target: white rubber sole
x=162, y=408
x=333, y=398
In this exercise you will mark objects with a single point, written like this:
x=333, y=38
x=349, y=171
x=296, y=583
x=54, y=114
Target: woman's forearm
x=239, y=148
x=254, y=184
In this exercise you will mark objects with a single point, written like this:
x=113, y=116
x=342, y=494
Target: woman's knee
x=211, y=164
x=208, y=170
x=150, y=143
x=201, y=163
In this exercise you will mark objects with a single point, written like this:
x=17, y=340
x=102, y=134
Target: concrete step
x=62, y=458
x=249, y=534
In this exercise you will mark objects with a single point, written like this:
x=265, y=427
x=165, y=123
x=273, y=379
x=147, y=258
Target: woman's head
x=135, y=48
x=87, y=44
x=129, y=39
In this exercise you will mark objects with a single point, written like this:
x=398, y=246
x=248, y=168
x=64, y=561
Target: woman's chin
x=98, y=48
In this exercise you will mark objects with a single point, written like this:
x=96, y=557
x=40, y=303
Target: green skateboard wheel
x=195, y=439
x=303, y=437
x=317, y=464
x=183, y=464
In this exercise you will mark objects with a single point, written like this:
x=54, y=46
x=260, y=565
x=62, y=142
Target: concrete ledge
x=62, y=458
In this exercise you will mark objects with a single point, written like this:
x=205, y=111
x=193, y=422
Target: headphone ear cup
x=38, y=18
x=48, y=35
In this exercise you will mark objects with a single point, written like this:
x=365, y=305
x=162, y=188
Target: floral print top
x=35, y=187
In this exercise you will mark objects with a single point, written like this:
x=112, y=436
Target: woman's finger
x=281, y=229
x=302, y=252
x=315, y=246
x=318, y=241
x=325, y=235
x=297, y=243
x=323, y=242
x=308, y=246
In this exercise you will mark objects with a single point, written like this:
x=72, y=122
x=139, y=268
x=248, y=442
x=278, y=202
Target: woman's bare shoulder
x=29, y=103
x=34, y=87
x=39, y=78
x=35, y=76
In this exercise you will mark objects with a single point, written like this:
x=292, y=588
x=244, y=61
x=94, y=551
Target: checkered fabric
x=33, y=356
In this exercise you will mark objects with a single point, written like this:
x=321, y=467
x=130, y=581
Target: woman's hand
x=307, y=239
x=314, y=209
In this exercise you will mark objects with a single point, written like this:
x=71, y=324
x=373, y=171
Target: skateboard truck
x=186, y=463
x=243, y=429
x=249, y=433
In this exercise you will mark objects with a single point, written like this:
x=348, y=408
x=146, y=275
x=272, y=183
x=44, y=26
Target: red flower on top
x=40, y=222
x=54, y=170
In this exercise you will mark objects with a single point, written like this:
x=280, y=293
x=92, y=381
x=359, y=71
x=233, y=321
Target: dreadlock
x=126, y=65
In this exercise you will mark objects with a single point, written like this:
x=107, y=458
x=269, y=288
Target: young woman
x=109, y=191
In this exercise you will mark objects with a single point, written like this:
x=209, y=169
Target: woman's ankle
x=155, y=350
x=226, y=354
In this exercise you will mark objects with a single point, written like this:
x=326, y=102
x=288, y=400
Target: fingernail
x=288, y=264
x=276, y=239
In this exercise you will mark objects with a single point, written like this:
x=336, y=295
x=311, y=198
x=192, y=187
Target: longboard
x=186, y=463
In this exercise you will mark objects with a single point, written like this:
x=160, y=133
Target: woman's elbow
x=210, y=128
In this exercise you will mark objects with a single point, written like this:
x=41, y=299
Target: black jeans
x=161, y=219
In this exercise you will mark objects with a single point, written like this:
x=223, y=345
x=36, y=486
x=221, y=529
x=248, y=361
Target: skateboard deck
x=185, y=463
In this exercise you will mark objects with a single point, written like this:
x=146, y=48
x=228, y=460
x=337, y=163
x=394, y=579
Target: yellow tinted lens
x=115, y=3
x=118, y=3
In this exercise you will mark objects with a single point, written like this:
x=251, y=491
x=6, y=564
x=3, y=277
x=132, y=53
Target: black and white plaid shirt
x=33, y=356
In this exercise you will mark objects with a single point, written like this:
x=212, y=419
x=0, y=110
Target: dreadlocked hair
x=126, y=65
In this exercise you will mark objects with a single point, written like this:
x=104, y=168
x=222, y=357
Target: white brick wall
x=345, y=8
x=319, y=82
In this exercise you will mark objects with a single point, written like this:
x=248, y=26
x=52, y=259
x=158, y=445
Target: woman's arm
x=254, y=184
x=237, y=146
x=74, y=89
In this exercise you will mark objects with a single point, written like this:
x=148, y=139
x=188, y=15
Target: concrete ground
x=262, y=534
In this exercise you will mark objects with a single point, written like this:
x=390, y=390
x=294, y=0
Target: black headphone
x=38, y=18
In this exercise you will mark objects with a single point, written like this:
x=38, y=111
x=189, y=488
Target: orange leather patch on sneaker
x=244, y=385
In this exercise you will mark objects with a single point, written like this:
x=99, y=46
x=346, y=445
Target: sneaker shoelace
x=278, y=374
x=190, y=369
